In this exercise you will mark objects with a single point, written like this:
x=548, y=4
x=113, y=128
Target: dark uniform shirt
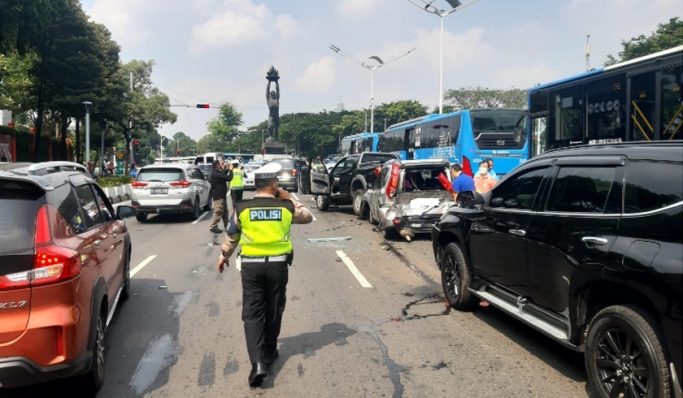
x=219, y=183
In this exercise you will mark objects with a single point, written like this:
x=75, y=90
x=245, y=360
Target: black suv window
x=580, y=189
x=67, y=204
x=19, y=203
x=89, y=206
x=105, y=208
x=520, y=191
x=651, y=186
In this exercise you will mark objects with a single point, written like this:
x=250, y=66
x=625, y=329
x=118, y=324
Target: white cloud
x=242, y=23
x=285, y=24
x=523, y=76
x=358, y=10
x=228, y=28
x=118, y=17
x=318, y=76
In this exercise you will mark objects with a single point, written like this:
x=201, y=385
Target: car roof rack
x=56, y=166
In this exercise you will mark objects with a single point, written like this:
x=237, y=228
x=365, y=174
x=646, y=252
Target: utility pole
x=87, y=104
x=385, y=124
x=588, y=53
x=366, y=120
x=130, y=123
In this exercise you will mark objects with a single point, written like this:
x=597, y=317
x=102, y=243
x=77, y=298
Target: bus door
x=409, y=142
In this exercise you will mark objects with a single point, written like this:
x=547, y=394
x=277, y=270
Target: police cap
x=267, y=171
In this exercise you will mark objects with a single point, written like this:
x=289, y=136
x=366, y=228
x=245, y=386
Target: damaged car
x=408, y=197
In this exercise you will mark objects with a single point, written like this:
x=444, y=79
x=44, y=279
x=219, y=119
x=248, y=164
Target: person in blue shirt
x=492, y=173
x=134, y=170
x=461, y=181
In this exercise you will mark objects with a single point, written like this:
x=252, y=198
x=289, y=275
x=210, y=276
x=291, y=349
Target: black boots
x=258, y=372
x=268, y=360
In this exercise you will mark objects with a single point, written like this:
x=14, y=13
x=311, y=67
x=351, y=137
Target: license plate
x=284, y=177
x=159, y=191
x=416, y=225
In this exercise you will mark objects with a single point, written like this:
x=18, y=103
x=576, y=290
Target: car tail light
x=181, y=184
x=293, y=172
x=447, y=185
x=51, y=263
x=393, y=181
x=397, y=221
x=467, y=166
x=138, y=185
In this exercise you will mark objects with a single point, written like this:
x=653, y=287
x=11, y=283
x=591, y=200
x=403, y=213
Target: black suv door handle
x=517, y=232
x=594, y=240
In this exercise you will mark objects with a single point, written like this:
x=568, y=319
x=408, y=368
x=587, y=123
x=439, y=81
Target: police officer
x=237, y=183
x=261, y=226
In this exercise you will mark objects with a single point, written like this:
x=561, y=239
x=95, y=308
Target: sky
x=216, y=51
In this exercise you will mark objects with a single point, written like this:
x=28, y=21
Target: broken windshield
x=423, y=179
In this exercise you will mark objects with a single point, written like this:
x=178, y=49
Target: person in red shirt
x=483, y=182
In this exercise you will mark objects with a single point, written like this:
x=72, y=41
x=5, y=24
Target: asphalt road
x=181, y=335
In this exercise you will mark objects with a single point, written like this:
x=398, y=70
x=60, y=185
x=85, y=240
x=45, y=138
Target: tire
x=322, y=203
x=364, y=211
x=195, y=210
x=456, y=278
x=141, y=217
x=208, y=204
x=609, y=334
x=357, y=196
x=94, y=379
x=125, y=293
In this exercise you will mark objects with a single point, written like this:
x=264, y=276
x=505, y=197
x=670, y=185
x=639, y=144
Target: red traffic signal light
x=177, y=150
x=136, y=142
x=204, y=106
x=263, y=149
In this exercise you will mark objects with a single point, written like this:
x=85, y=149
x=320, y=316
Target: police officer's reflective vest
x=265, y=226
x=237, y=182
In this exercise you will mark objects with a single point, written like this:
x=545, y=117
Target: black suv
x=585, y=245
x=347, y=181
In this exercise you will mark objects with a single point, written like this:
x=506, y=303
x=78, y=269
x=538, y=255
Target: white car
x=249, y=169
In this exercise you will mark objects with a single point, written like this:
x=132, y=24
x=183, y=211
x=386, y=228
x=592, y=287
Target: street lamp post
x=428, y=7
x=372, y=69
x=87, y=104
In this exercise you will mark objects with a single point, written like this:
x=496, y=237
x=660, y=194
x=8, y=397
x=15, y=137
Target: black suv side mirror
x=123, y=212
x=469, y=199
x=497, y=202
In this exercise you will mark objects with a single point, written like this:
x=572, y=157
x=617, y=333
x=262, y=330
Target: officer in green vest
x=261, y=226
x=237, y=183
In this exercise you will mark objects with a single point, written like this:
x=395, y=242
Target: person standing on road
x=262, y=227
x=483, y=182
x=219, y=194
x=489, y=164
x=237, y=183
x=461, y=181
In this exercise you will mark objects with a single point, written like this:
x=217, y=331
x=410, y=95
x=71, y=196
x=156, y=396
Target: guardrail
x=119, y=194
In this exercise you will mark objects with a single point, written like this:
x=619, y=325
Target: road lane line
x=295, y=197
x=142, y=265
x=349, y=264
x=200, y=217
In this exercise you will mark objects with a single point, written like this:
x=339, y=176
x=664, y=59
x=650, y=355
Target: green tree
x=478, y=97
x=180, y=141
x=667, y=35
x=211, y=143
x=226, y=123
x=141, y=111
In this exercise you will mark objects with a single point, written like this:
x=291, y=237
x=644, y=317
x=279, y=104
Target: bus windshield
x=494, y=120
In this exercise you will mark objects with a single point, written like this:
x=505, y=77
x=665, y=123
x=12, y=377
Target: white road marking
x=295, y=197
x=200, y=217
x=159, y=356
x=349, y=264
x=142, y=265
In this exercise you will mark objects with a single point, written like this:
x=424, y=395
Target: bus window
x=494, y=128
x=605, y=109
x=538, y=134
x=539, y=102
x=566, y=115
x=672, y=106
x=643, y=106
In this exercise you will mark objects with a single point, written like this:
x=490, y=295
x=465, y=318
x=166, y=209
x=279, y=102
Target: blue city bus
x=466, y=137
x=359, y=143
x=635, y=100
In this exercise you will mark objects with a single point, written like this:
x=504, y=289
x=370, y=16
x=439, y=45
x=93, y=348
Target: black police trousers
x=236, y=195
x=264, y=286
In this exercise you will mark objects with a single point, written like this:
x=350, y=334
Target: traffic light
x=204, y=106
x=178, y=151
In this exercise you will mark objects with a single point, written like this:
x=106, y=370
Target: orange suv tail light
x=138, y=185
x=51, y=263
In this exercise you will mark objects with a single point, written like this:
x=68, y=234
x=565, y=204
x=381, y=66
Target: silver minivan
x=173, y=188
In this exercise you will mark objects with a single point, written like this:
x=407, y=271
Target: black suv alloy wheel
x=624, y=356
x=455, y=278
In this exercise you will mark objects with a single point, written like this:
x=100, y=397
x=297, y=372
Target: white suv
x=170, y=189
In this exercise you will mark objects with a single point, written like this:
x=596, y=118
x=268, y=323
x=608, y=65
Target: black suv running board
x=538, y=318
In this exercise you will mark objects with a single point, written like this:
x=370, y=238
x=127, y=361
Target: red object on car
x=467, y=166
x=447, y=185
x=393, y=180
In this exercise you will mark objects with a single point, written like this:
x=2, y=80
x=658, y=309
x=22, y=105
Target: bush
x=107, y=182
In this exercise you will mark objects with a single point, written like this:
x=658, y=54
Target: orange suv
x=64, y=265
